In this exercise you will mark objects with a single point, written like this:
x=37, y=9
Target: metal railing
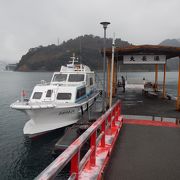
x=72, y=153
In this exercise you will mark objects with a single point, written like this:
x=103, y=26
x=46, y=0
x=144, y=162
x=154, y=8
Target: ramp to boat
x=145, y=152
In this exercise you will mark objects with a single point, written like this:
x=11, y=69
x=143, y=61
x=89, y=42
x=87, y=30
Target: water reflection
x=36, y=154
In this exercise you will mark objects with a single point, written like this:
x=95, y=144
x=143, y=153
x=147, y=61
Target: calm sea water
x=20, y=157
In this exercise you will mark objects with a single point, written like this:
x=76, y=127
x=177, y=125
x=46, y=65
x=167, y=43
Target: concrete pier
x=145, y=152
x=136, y=103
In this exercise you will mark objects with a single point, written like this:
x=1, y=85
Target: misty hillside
x=172, y=64
x=2, y=65
x=87, y=48
x=171, y=42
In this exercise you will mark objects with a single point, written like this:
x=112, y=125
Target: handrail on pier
x=72, y=154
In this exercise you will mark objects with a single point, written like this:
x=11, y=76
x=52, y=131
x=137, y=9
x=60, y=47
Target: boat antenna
x=74, y=59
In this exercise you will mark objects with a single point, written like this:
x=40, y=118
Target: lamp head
x=105, y=24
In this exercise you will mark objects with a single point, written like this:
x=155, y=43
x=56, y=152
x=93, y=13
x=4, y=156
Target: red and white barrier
x=91, y=166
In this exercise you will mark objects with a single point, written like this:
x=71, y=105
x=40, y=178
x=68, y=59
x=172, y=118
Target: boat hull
x=46, y=117
x=44, y=120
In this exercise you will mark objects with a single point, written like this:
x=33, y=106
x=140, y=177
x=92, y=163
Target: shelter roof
x=169, y=51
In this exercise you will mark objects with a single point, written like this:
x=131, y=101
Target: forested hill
x=87, y=48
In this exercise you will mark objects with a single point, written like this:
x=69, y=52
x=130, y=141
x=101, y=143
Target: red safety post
x=93, y=148
x=109, y=120
x=75, y=165
x=117, y=114
x=113, y=117
x=114, y=110
x=103, y=129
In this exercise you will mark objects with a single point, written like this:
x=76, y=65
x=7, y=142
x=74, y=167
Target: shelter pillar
x=114, y=89
x=164, y=82
x=178, y=90
x=156, y=77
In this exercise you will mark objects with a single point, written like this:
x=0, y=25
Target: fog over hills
x=88, y=49
x=172, y=64
x=2, y=65
x=171, y=42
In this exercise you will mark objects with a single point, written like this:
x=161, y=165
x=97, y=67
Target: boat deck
x=145, y=152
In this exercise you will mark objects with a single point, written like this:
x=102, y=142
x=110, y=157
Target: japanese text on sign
x=144, y=59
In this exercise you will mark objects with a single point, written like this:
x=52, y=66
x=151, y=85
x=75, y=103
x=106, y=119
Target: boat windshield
x=60, y=77
x=76, y=77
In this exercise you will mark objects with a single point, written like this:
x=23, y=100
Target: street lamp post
x=105, y=24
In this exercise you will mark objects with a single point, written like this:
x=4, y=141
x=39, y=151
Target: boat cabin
x=58, y=94
x=67, y=86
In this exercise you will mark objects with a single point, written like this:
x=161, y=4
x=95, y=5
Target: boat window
x=91, y=81
x=81, y=92
x=60, y=77
x=76, y=77
x=49, y=93
x=64, y=96
x=37, y=95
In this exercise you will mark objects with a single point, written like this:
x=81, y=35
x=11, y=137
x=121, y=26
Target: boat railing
x=105, y=123
x=43, y=82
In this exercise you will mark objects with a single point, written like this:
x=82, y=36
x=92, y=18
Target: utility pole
x=112, y=72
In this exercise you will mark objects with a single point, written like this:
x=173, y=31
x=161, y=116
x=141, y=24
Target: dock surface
x=134, y=102
x=145, y=152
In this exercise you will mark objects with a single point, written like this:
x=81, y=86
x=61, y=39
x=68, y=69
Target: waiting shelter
x=143, y=54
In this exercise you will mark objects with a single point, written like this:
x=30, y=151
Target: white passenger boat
x=61, y=102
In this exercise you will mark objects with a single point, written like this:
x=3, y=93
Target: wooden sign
x=144, y=59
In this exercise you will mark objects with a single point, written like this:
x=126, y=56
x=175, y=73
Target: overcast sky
x=29, y=23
